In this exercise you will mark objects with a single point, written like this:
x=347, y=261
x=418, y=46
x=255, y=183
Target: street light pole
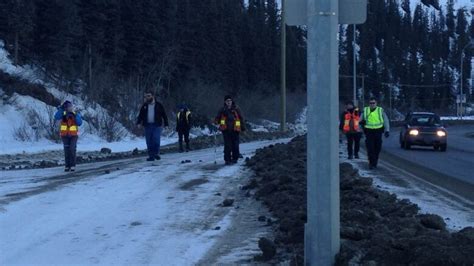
x=283, y=68
x=354, y=65
x=461, y=83
x=322, y=230
x=363, y=91
x=322, y=239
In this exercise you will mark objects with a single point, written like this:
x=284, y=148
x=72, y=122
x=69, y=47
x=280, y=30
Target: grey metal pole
x=363, y=91
x=390, y=99
x=322, y=240
x=354, y=59
x=461, y=109
x=460, y=85
x=283, y=67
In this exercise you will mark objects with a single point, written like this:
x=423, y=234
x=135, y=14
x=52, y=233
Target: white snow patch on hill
x=23, y=119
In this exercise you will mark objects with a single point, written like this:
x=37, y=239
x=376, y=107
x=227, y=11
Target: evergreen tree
x=17, y=25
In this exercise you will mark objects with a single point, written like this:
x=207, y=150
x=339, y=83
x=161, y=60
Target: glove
x=386, y=134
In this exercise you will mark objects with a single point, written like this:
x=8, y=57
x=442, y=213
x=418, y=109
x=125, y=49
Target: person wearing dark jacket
x=231, y=123
x=69, y=132
x=183, y=126
x=153, y=117
x=349, y=125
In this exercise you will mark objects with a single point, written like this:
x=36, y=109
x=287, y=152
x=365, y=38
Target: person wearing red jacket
x=231, y=123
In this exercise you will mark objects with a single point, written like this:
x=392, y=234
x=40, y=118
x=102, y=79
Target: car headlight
x=414, y=132
x=441, y=133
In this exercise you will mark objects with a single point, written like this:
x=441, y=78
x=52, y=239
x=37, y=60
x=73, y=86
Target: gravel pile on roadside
x=376, y=227
x=56, y=158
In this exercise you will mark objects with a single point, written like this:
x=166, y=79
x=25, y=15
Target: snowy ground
x=457, y=212
x=129, y=212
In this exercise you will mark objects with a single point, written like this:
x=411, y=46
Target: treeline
x=419, y=47
x=196, y=51
x=184, y=50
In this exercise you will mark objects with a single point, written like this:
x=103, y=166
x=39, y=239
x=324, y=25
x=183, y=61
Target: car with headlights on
x=423, y=129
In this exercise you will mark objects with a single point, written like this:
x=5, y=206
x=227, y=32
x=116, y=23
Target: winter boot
x=73, y=168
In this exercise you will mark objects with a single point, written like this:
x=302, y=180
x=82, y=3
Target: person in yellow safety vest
x=70, y=120
x=231, y=123
x=183, y=126
x=376, y=124
x=349, y=125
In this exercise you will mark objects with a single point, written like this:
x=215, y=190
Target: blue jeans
x=153, y=139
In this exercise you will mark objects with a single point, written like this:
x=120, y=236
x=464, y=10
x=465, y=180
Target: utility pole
x=283, y=68
x=322, y=230
x=390, y=99
x=16, y=47
x=460, y=81
x=90, y=66
x=354, y=60
x=461, y=107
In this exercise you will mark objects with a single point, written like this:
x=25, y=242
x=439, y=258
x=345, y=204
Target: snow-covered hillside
x=26, y=122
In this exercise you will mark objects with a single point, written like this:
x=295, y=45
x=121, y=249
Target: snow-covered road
x=120, y=213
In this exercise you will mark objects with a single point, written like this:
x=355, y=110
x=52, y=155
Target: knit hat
x=227, y=97
x=67, y=104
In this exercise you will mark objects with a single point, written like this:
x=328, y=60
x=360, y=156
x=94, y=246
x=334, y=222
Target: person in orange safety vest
x=231, y=123
x=349, y=125
x=70, y=120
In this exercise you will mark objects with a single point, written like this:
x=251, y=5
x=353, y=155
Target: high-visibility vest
x=187, y=116
x=237, y=122
x=373, y=119
x=68, y=126
x=347, y=121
